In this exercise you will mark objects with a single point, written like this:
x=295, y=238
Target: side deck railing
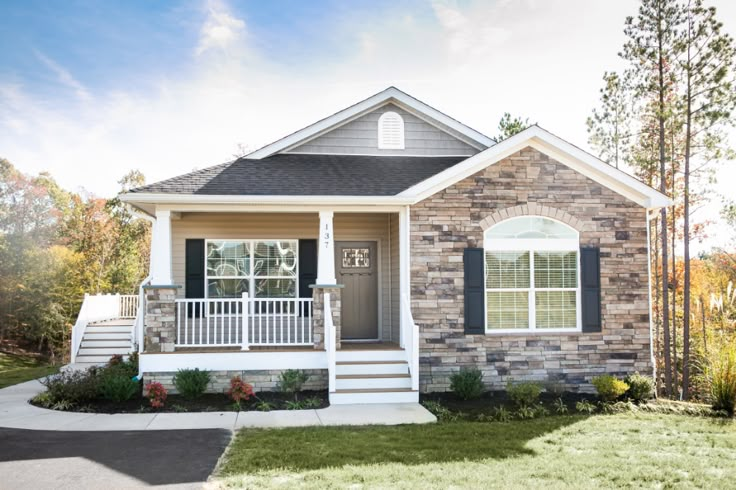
x=244, y=322
x=95, y=308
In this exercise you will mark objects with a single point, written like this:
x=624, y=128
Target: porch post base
x=318, y=311
x=159, y=329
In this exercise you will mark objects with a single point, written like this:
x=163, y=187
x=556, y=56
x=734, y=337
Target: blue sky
x=90, y=90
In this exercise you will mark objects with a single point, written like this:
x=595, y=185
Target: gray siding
x=361, y=137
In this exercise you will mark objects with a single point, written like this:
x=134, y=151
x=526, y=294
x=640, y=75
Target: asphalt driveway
x=121, y=459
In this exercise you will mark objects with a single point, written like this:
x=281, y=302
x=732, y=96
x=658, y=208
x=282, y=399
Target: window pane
x=275, y=288
x=555, y=269
x=507, y=270
x=275, y=259
x=229, y=259
x=556, y=309
x=507, y=309
x=226, y=288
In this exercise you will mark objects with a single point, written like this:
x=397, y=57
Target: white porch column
x=326, y=253
x=161, y=249
x=404, y=269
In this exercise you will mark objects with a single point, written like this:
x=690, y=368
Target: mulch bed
x=490, y=400
x=209, y=402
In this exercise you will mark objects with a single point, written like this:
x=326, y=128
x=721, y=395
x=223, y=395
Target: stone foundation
x=529, y=183
x=266, y=380
x=318, y=311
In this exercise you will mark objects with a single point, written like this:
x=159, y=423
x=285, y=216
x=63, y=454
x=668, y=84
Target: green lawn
x=604, y=451
x=16, y=369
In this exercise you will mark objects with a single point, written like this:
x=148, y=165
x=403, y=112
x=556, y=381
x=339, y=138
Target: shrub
x=292, y=381
x=313, y=402
x=156, y=394
x=118, y=388
x=641, y=388
x=609, y=388
x=442, y=413
x=559, y=407
x=501, y=414
x=468, y=383
x=72, y=387
x=239, y=390
x=584, y=406
x=524, y=394
x=719, y=373
x=115, y=360
x=264, y=406
x=191, y=383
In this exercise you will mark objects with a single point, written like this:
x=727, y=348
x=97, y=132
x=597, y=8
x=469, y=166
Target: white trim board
x=390, y=95
x=552, y=146
x=233, y=361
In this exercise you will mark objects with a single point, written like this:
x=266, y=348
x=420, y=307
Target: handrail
x=412, y=342
x=330, y=344
x=94, y=309
x=78, y=329
x=140, y=315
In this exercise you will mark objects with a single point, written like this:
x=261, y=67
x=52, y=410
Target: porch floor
x=380, y=345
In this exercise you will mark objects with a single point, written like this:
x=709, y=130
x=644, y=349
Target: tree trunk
x=702, y=321
x=673, y=283
x=686, y=232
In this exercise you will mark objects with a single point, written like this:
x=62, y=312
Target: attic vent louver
x=390, y=131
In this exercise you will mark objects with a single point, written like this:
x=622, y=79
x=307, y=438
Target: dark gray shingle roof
x=307, y=175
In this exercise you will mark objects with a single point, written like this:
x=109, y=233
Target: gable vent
x=390, y=131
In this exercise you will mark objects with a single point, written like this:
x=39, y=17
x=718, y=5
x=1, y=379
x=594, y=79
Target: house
x=386, y=246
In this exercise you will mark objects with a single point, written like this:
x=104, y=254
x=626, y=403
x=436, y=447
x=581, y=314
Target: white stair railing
x=94, y=309
x=140, y=315
x=411, y=343
x=330, y=344
x=128, y=305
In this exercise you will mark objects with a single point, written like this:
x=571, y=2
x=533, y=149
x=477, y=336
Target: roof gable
x=391, y=95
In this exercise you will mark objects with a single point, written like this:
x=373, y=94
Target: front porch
x=262, y=292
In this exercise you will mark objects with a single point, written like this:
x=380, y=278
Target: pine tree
x=609, y=131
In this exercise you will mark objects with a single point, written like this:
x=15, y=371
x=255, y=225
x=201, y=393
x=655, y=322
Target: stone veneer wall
x=159, y=333
x=265, y=380
x=318, y=311
x=529, y=182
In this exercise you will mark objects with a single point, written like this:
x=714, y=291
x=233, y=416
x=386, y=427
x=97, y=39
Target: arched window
x=390, y=131
x=531, y=275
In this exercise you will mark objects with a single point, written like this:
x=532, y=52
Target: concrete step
x=368, y=396
x=370, y=355
x=372, y=381
x=371, y=367
x=93, y=360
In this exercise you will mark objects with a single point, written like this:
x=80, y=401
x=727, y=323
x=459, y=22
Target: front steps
x=372, y=376
x=102, y=340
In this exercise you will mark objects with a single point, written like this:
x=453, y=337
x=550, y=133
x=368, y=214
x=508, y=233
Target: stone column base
x=318, y=322
x=159, y=328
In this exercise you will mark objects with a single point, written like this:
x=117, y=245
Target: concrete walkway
x=17, y=413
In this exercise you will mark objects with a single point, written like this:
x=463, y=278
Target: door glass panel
x=353, y=258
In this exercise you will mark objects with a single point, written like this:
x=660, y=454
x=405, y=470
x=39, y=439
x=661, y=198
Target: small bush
x=292, y=381
x=468, y=383
x=72, y=387
x=264, y=406
x=191, y=383
x=156, y=394
x=313, y=402
x=719, y=373
x=118, y=388
x=115, y=360
x=524, y=394
x=560, y=407
x=584, y=406
x=239, y=390
x=609, y=388
x=526, y=413
x=641, y=388
x=501, y=414
x=442, y=413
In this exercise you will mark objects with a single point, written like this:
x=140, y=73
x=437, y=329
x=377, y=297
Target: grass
x=624, y=450
x=16, y=368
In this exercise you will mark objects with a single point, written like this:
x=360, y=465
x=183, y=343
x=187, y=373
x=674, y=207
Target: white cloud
x=64, y=77
x=221, y=30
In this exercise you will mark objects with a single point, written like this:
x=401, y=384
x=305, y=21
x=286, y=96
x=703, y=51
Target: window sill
x=526, y=333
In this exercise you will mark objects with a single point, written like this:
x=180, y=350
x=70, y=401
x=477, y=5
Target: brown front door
x=356, y=267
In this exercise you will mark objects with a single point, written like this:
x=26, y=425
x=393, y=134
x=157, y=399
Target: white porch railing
x=128, y=305
x=245, y=322
x=330, y=345
x=411, y=341
x=140, y=315
x=94, y=309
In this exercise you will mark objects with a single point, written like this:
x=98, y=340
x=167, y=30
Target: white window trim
x=382, y=145
x=532, y=245
x=251, y=278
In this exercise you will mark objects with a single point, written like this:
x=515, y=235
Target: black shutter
x=590, y=282
x=307, y=267
x=474, y=291
x=194, y=272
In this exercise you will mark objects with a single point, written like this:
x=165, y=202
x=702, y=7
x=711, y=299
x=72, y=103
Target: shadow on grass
x=312, y=448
